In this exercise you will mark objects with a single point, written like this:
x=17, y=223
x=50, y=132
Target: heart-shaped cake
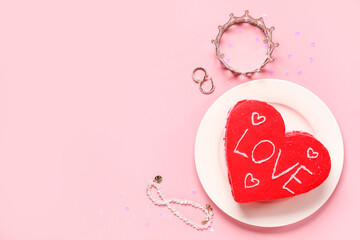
x=266, y=163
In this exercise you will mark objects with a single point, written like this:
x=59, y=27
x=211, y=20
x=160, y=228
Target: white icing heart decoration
x=257, y=119
x=252, y=182
x=311, y=153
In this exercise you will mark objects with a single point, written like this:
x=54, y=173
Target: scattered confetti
x=290, y=55
x=210, y=228
x=127, y=209
x=147, y=224
x=287, y=73
x=257, y=39
x=313, y=44
x=297, y=33
x=194, y=191
x=311, y=59
x=229, y=45
x=227, y=59
x=271, y=72
x=240, y=31
x=299, y=72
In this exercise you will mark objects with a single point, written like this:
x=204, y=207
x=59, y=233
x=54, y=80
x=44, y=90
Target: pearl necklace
x=167, y=202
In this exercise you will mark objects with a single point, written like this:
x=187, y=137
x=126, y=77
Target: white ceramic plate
x=301, y=110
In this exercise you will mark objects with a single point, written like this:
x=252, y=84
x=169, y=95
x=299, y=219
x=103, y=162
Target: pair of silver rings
x=203, y=80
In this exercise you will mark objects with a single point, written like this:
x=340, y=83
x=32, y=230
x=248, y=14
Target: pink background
x=96, y=99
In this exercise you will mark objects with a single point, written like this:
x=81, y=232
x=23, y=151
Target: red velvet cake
x=266, y=163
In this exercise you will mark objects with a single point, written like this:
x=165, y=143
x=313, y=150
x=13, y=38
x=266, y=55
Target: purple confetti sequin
x=311, y=59
x=287, y=73
x=210, y=228
x=271, y=72
x=297, y=33
x=147, y=224
x=257, y=39
x=127, y=209
x=313, y=44
x=290, y=55
x=299, y=72
x=194, y=191
x=227, y=59
x=161, y=214
x=240, y=31
x=229, y=45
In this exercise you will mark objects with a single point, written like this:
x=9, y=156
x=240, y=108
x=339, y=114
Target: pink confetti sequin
x=297, y=33
x=313, y=44
x=229, y=45
x=210, y=228
x=287, y=73
x=299, y=72
x=147, y=224
x=194, y=191
x=127, y=209
x=271, y=72
x=227, y=59
x=311, y=59
x=290, y=55
x=240, y=31
x=257, y=39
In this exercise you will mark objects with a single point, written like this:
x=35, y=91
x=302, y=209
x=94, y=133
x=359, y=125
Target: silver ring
x=199, y=69
x=207, y=91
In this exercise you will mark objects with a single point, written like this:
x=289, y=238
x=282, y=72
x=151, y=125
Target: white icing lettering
x=265, y=159
x=273, y=176
x=293, y=177
x=237, y=145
